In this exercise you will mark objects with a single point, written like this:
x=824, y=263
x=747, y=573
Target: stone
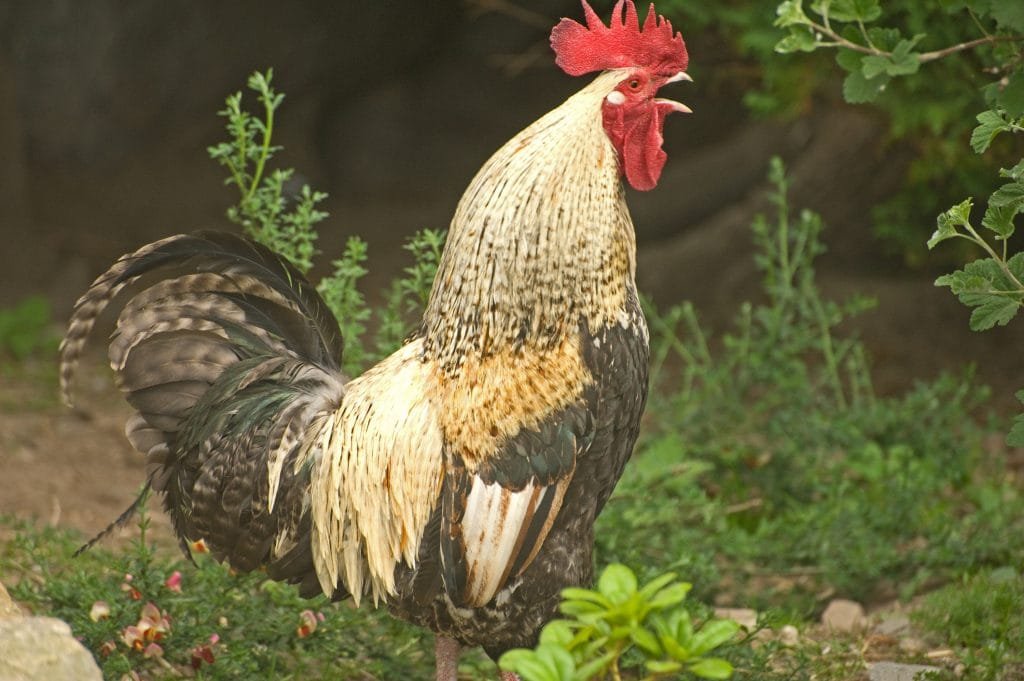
x=895, y=671
x=893, y=625
x=844, y=615
x=8, y=608
x=745, y=617
x=912, y=645
x=789, y=636
x=42, y=648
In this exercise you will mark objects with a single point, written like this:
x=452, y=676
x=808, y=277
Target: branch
x=969, y=45
x=924, y=57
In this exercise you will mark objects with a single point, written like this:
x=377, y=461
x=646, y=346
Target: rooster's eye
x=634, y=83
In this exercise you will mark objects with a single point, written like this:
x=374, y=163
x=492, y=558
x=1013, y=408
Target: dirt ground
x=68, y=467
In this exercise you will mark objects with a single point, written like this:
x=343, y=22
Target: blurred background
x=106, y=110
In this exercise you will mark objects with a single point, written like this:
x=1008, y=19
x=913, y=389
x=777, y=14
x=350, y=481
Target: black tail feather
x=120, y=522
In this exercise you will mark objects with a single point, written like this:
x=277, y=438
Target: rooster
x=457, y=481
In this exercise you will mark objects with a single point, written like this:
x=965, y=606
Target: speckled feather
x=458, y=480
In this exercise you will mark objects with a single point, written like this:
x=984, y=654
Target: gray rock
x=894, y=671
x=893, y=625
x=745, y=617
x=8, y=608
x=844, y=615
x=38, y=648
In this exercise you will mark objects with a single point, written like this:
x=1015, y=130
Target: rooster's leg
x=446, y=654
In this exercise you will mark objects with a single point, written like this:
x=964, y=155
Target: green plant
x=141, y=612
x=605, y=624
x=266, y=212
x=287, y=225
x=980, y=615
x=26, y=330
x=770, y=470
x=921, y=64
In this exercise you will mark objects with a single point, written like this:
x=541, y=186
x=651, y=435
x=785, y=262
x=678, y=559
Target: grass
x=770, y=474
x=217, y=625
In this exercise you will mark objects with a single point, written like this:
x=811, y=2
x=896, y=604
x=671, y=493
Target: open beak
x=672, y=104
x=682, y=75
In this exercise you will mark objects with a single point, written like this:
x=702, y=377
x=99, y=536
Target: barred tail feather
x=228, y=356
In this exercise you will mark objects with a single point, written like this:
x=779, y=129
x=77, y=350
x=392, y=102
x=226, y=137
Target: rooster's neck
x=541, y=240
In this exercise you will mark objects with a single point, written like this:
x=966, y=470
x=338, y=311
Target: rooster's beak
x=671, y=104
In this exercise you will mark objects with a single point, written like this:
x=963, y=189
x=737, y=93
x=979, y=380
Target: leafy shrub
x=922, y=64
x=145, y=615
x=781, y=471
x=605, y=624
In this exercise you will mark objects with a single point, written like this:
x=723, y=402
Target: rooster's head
x=648, y=57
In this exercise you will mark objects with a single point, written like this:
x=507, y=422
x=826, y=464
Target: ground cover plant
x=770, y=475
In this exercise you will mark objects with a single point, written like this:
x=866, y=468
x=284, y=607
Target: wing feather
x=495, y=519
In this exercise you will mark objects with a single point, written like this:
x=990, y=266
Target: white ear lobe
x=615, y=98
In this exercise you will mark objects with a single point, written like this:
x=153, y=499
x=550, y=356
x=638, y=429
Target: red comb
x=622, y=44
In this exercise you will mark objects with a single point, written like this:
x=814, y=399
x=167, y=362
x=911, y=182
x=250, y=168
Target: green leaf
x=527, y=665
x=948, y=222
x=800, y=39
x=1009, y=14
x=577, y=594
x=713, y=634
x=1014, y=173
x=849, y=60
x=854, y=10
x=1010, y=195
x=1015, y=438
x=984, y=285
x=655, y=585
x=646, y=641
x=858, y=89
x=874, y=65
x=617, y=583
x=990, y=124
x=790, y=13
x=594, y=668
x=904, y=60
x=558, y=660
x=557, y=632
x=884, y=38
x=1011, y=98
x=711, y=668
x=670, y=595
x=663, y=666
x=992, y=309
x=999, y=219
x=581, y=608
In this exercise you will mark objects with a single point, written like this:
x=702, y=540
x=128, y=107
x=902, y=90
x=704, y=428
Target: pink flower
x=107, y=647
x=307, y=623
x=151, y=627
x=99, y=611
x=153, y=650
x=204, y=653
x=174, y=581
x=126, y=586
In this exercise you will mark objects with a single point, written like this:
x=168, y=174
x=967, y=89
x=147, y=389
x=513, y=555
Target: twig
x=971, y=44
x=924, y=57
x=756, y=502
x=27, y=572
